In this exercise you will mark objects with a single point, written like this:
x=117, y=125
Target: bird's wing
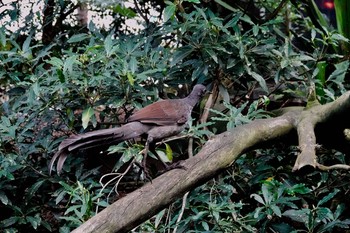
x=163, y=112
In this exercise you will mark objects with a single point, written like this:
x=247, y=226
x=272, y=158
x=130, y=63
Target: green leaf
x=116, y=148
x=225, y=5
x=69, y=62
x=328, y=197
x=36, y=88
x=169, y=11
x=87, y=114
x=57, y=62
x=233, y=22
x=266, y=194
x=3, y=198
x=127, y=156
x=301, y=215
x=298, y=188
x=323, y=213
x=255, y=30
x=2, y=38
x=130, y=78
x=340, y=71
x=339, y=211
x=205, y=226
x=213, y=55
x=193, y=1
x=199, y=215
x=159, y=217
x=339, y=37
x=180, y=54
x=258, y=198
x=34, y=188
x=258, y=211
x=313, y=34
x=34, y=221
x=216, y=215
x=60, y=196
x=108, y=43
x=276, y=210
x=342, y=9
x=168, y=152
x=133, y=65
x=26, y=44
x=78, y=38
x=321, y=72
x=124, y=11
x=66, y=186
x=260, y=80
x=303, y=57
x=10, y=221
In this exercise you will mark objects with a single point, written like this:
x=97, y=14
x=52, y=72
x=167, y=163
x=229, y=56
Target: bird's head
x=198, y=90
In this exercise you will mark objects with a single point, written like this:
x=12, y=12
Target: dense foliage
x=88, y=78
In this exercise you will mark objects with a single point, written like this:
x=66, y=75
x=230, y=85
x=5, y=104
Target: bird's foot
x=176, y=165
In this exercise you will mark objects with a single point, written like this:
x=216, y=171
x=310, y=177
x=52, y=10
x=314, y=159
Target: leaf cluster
x=95, y=80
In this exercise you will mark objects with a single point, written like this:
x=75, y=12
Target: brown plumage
x=156, y=121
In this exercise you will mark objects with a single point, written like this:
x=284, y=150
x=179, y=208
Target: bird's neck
x=192, y=100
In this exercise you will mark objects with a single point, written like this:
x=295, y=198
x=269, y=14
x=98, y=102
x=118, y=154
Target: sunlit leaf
x=130, y=78
x=169, y=11
x=168, y=152
x=87, y=113
x=124, y=11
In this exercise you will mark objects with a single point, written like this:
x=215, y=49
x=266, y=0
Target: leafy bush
x=95, y=80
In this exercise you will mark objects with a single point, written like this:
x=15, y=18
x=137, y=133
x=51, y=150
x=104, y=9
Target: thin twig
x=183, y=206
x=118, y=177
x=335, y=166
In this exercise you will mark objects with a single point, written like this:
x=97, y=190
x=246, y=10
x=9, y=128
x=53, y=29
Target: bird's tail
x=95, y=139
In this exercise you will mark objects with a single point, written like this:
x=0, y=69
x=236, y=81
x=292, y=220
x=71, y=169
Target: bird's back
x=163, y=112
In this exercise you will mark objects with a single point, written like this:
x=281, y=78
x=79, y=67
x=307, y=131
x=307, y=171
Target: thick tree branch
x=216, y=155
x=307, y=123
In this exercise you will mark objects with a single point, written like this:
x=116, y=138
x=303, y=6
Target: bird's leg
x=167, y=167
x=176, y=165
x=145, y=153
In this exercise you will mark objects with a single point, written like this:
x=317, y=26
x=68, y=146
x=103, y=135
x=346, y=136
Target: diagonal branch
x=216, y=155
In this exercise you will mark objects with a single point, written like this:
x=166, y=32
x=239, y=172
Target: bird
x=155, y=122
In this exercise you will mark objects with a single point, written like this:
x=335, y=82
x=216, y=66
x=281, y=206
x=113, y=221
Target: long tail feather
x=95, y=139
